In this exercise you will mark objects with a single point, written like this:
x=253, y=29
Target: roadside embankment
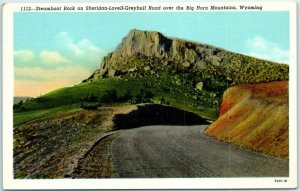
x=255, y=116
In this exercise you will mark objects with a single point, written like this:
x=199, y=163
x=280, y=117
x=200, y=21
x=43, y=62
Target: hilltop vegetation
x=232, y=70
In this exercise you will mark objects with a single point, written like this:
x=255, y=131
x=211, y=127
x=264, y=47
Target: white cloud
x=39, y=72
x=35, y=88
x=66, y=42
x=24, y=57
x=52, y=58
x=70, y=73
x=83, y=52
x=34, y=81
x=261, y=48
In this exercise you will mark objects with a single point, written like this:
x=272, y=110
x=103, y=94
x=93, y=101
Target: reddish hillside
x=255, y=116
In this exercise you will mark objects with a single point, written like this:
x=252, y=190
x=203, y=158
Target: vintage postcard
x=153, y=95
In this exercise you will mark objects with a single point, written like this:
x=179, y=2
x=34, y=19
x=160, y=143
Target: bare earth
x=184, y=151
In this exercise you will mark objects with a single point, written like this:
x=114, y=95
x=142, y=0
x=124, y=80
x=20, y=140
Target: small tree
x=18, y=105
x=144, y=96
x=110, y=96
x=126, y=97
x=89, y=102
x=164, y=101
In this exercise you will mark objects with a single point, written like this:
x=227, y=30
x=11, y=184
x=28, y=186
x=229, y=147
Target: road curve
x=184, y=151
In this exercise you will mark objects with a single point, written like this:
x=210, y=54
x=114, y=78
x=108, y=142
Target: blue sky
x=48, y=45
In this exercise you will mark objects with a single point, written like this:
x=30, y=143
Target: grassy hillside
x=23, y=117
x=256, y=117
x=178, y=90
x=147, y=80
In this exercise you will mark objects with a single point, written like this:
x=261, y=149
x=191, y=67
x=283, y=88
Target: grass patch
x=23, y=117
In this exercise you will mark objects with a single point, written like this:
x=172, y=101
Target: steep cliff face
x=155, y=45
x=255, y=116
x=142, y=51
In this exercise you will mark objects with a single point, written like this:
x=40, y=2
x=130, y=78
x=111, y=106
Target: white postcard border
x=166, y=183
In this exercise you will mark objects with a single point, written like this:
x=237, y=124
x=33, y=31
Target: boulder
x=201, y=64
x=111, y=72
x=199, y=86
x=186, y=64
x=146, y=68
x=132, y=69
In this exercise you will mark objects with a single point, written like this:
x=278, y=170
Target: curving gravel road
x=184, y=151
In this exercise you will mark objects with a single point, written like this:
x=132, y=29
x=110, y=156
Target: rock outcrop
x=148, y=51
x=154, y=44
x=255, y=116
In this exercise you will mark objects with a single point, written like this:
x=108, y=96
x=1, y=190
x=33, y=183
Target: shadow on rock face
x=154, y=114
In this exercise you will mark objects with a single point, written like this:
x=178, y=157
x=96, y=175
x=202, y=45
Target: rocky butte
x=154, y=51
x=154, y=44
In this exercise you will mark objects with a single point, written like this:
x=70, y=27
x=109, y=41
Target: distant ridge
x=19, y=99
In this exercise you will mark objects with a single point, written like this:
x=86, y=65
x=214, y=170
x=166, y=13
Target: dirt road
x=184, y=151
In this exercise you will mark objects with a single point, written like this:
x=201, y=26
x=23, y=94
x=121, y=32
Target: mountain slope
x=143, y=52
x=255, y=116
x=183, y=74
